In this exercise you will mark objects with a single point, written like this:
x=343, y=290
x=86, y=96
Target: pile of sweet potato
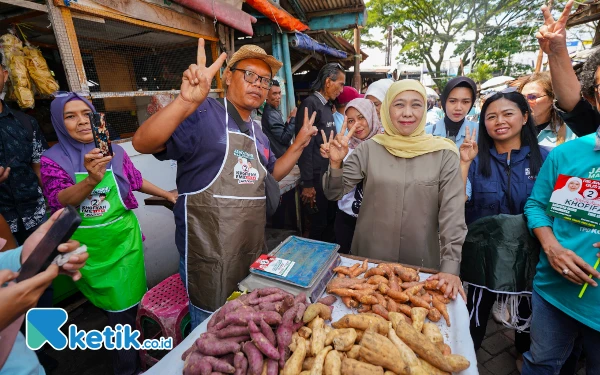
x=389, y=287
x=249, y=335
x=366, y=344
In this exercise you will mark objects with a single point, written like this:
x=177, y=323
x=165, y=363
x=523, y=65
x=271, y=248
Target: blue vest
x=492, y=195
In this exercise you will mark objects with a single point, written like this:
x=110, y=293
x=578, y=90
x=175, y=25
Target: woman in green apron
x=75, y=172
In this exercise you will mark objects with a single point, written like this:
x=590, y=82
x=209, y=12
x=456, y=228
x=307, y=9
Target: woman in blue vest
x=499, y=171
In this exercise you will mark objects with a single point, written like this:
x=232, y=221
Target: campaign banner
x=576, y=199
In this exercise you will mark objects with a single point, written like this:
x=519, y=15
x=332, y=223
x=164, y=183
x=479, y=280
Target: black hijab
x=453, y=127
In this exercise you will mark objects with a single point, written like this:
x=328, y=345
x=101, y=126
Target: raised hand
x=96, y=164
x=195, y=84
x=552, y=36
x=4, y=172
x=307, y=131
x=469, y=149
x=337, y=148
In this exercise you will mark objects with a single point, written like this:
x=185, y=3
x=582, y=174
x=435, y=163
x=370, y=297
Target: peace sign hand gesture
x=552, y=36
x=469, y=149
x=307, y=131
x=337, y=149
x=196, y=80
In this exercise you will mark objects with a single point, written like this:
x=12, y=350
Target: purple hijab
x=68, y=153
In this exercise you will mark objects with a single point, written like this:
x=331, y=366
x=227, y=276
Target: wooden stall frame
x=74, y=45
x=62, y=23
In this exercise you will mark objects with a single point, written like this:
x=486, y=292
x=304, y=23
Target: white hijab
x=563, y=194
x=379, y=88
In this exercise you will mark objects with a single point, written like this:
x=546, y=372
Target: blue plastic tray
x=311, y=258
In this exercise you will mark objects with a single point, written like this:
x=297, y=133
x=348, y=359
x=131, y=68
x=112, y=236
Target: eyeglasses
x=533, y=97
x=507, y=90
x=252, y=77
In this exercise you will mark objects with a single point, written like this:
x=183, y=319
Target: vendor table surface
x=457, y=336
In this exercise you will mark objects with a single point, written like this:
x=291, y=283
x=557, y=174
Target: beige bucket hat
x=250, y=51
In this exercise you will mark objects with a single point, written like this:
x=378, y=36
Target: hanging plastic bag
x=14, y=59
x=38, y=71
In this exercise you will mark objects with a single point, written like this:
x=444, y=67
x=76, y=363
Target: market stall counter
x=455, y=333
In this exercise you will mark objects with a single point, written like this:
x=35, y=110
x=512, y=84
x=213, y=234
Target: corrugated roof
x=313, y=7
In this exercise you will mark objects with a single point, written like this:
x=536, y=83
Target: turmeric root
x=443, y=310
x=377, y=280
x=374, y=271
x=381, y=311
x=419, y=302
x=434, y=315
x=414, y=290
x=432, y=285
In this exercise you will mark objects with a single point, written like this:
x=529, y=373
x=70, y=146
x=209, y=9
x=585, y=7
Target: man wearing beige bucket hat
x=222, y=159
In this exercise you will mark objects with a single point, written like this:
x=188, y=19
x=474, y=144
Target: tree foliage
x=365, y=38
x=427, y=28
x=481, y=73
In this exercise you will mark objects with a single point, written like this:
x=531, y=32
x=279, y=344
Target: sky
x=377, y=57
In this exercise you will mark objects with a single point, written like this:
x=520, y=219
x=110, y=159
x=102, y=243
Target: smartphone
x=100, y=133
x=60, y=232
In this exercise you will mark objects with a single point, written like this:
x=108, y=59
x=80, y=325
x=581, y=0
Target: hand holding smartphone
x=100, y=133
x=60, y=232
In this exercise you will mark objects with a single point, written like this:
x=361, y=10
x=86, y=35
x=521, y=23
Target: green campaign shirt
x=574, y=158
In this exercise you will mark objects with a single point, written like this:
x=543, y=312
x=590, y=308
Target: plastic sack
x=278, y=15
x=14, y=59
x=39, y=71
x=500, y=254
x=158, y=102
x=9, y=40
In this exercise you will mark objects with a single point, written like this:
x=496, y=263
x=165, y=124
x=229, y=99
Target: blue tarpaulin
x=305, y=42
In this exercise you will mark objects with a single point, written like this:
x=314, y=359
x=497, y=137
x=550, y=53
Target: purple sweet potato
x=329, y=300
x=270, y=298
x=284, y=333
x=232, y=331
x=286, y=304
x=195, y=364
x=190, y=350
x=245, y=308
x=300, y=313
x=228, y=358
x=230, y=306
x=213, y=347
x=242, y=318
x=220, y=365
x=255, y=358
x=300, y=298
x=267, y=331
x=240, y=363
x=267, y=291
x=272, y=367
x=238, y=339
x=261, y=342
x=269, y=306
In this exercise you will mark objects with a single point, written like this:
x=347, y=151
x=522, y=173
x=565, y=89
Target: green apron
x=114, y=277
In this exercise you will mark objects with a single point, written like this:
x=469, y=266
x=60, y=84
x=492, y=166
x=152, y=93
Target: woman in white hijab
x=376, y=93
x=568, y=192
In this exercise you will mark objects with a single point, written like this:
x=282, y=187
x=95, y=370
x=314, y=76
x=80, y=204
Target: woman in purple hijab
x=74, y=172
